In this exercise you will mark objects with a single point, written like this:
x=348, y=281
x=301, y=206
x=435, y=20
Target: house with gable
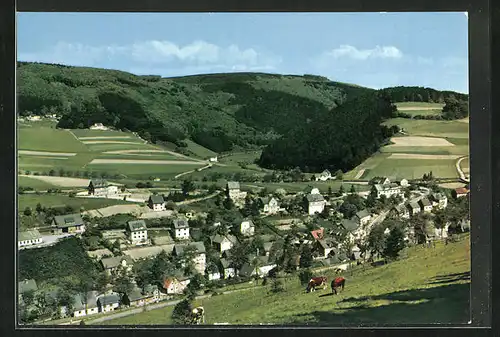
x=137, y=232
x=138, y=297
x=439, y=200
x=233, y=190
x=388, y=190
x=175, y=285
x=156, y=203
x=199, y=259
x=265, y=265
x=413, y=208
x=227, y=269
x=98, y=126
x=100, y=187
x=85, y=304
x=315, y=203
x=269, y=205
x=112, y=264
x=425, y=205
x=363, y=217
x=71, y=223
x=325, y=247
x=223, y=243
x=108, y=302
x=460, y=192
x=353, y=228
x=247, y=227
x=181, y=228
x=400, y=211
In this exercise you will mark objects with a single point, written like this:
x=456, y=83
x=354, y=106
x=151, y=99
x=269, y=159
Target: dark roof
x=180, y=223
x=99, y=183
x=413, y=205
x=327, y=244
x=233, y=185
x=137, y=225
x=199, y=246
x=363, y=213
x=79, y=301
x=113, y=262
x=325, y=172
x=315, y=197
x=27, y=285
x=69, y=220
x=268, y=246
x=249, y=221
x=217, y=238
x=246, y=270
x=349, y=224
x=109, y=299
x=225, y=263
x=157, y=199
x=265, y=200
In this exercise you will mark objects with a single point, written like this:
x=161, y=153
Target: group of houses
x=423, y=204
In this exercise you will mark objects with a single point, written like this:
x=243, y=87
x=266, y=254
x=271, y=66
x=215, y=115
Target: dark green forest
x=306, y=121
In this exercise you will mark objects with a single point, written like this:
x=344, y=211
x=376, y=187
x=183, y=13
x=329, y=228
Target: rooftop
x=99, y=183
x=315, y=198
x=27, y=285
x=233, y=185
x=137, y=225
x=109, y=299
x=363, y=213
x=181, y=223
x=68, y=220
x=113, y=262
x=199, y=246
x=349, y=224
x=156, y=199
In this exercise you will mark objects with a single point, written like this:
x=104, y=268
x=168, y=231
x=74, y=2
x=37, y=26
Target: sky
x=376, y=50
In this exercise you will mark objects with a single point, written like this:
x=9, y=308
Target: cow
x=336, y=283
x=316, y=282
x=198, y=315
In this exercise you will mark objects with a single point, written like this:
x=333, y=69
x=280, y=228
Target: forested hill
x=307, y=121
x=339, y=141
x=219, y=111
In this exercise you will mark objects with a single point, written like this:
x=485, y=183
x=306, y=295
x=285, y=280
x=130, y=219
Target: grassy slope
x=49, y=200
x=429, y=286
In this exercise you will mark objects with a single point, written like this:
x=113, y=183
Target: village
x=242, y=237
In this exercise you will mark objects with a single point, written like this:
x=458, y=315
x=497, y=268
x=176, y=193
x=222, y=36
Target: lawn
x=34, y=183
x=436, y=150
x=427, y=105
x=414, y=168
x=50, y=200
x=39, y=138
x=198, y=150
x=100, y=133
x=431, y=285
x=420, y=127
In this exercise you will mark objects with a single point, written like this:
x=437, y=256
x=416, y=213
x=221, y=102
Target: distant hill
x=221, y=112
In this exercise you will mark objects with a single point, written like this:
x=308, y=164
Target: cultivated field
x=61, y=200
x=428, y=145
x=44, y=148
x=420, y=108
x=430, y=286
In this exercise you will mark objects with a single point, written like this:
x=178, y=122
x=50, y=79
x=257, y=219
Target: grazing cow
x=336, y=283
x=198, y=315
x=316, y=282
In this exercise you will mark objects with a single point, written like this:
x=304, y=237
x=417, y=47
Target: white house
x=156, y=203
x=33, y=118
x=316, y=203
x=137, y=232
x=388, y=190
x=413, y=208
x=85, y=306
x=223, y=243
x=269, y=205
x=247, y=227
x=213, y=159
x=29, y=238
x=401, y=211
x=363, y=217
x=439, y=200
x=227, y=269
x=100, y=187
x=175, y=285
x=233, y=190
x=98, y=126
x=181, y=228
x=109, y=302
x=265, y=265
x=425, y=205
x=324, y=176
x=199, y=259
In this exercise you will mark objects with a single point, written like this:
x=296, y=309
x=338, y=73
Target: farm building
x=100, y=187
x=71, y=223
x=98, y=126
x=324, y=176
x=439, y=200
x=400, y=211
x=108, y=302
x=269, y=205
x=363, y=217
x=175, y=285
x=111, y=264
x=425, y=205
x=29, y=238
x=199, y=258
x=388, y=190
x=223, y=243
x=413, y=208
x=233, y=190
x=138, y=297
x=84, y=305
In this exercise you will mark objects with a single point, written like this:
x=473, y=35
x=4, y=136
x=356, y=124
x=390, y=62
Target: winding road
x=459, y=169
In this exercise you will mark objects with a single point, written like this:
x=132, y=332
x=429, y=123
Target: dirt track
x=141, y=162
x=416, y=108
x=104, y=137
x=419, y=141
x=421, y=156
x=43, y=153
x=90, y=142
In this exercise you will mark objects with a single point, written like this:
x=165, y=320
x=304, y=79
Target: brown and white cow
x=338, y=282
x=316, y=282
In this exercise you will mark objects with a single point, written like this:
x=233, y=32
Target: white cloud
x=352, y=52
x=156, y=54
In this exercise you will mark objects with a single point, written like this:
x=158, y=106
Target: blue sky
x=371, y=49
